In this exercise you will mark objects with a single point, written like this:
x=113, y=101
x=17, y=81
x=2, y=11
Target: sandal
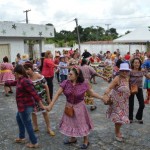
x=93, y=108
x=69, y=141
x=140, y=121
x=131, y=121
x=119, y=139
x=7, y=95
x=30, y=145
x=84, y=146
x=19, y=140
x=36, y=129
x=51, y=133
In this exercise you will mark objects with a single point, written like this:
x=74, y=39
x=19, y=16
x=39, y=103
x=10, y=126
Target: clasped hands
x=48, y=108
x=107, y=100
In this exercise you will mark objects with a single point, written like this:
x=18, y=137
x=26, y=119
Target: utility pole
x=26, y=11
x=76, y=20
x=107, y=26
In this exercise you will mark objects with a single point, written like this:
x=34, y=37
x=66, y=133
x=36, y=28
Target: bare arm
x=101, y=76
x=47, y=93
x=58, y=93
x=94, y=94
x=147, y=75
x=112, y=85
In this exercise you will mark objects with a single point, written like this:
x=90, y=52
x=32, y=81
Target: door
x=4, y=51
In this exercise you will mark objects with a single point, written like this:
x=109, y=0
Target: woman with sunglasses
x=119, y=93
x=80, y=124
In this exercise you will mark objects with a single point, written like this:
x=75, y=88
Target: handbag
x=69, y=111
x=134, y=89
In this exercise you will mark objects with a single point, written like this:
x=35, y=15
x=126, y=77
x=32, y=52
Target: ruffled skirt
x=79, y=125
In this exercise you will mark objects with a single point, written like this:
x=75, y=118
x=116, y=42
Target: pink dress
x=6, y=72
x=80, y=124
x=118, y=112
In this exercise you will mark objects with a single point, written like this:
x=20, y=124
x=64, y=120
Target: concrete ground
x=137, y=136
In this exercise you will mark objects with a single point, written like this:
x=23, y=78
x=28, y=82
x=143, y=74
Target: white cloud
x=89, y=13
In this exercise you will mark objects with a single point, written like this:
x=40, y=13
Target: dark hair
x=132, y=62
x=5, y=59
x=20, y=70
x=79, y=74
x=18, y=55
x=28, y=65
x=84, y=61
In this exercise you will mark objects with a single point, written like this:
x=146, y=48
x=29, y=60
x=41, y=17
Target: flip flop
x=36, y=129
x=84, y=146
x=18, y=140
x=30, y=145
x=119, y=139
x=51, y=133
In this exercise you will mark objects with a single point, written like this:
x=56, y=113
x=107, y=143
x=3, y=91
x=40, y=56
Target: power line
x=115, y=18
x=64, y=24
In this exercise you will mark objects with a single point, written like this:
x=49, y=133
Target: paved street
x=137, y=136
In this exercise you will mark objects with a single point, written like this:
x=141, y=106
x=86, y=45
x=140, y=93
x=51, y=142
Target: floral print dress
x=40, y=88
x=118, y=112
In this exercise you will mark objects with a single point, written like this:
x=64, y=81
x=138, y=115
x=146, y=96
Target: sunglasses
x=70, y=74
x=124, y=71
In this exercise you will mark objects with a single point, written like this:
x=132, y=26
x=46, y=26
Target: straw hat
x=25, y=57
x=124, y=66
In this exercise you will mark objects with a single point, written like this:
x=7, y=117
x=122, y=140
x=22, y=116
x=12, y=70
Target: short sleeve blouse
x=74, y=93
x=137, y=77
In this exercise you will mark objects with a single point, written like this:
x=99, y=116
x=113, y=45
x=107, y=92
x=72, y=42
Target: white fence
x=94, y=48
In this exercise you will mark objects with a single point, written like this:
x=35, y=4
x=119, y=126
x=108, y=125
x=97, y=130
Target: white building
x=14, y=37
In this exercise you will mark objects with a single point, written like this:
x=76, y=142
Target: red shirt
x=48, y=68
x=127, y=57
x=56, y=61
x=92, y=60
x=26, y=94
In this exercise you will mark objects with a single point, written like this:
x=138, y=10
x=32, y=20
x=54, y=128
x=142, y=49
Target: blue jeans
x=63, y=77
x=24, y=122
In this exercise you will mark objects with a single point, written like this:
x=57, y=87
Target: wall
x=93, y=48
x=124, y=48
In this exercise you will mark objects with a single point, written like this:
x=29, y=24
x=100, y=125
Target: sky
x=123, y=15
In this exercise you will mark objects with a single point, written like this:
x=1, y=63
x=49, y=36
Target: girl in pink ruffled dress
x=80, y=124
x=6, y=74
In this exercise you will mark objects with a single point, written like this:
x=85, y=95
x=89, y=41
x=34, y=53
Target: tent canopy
x=140, y=35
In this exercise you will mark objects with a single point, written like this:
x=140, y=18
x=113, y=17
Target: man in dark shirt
x=86, y=54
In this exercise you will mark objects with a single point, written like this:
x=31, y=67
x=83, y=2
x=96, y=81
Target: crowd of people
x=75, y=74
